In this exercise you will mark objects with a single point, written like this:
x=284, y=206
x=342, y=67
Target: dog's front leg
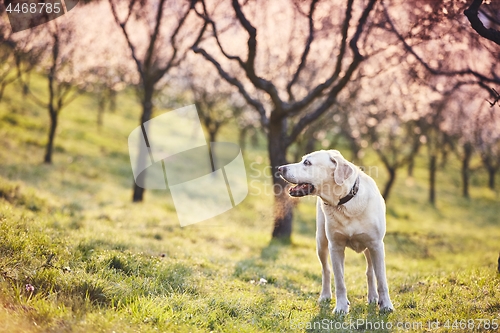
x=326, y=288
x=322, y=249
x=337, y=252
x=370, y=279
x=377, y=256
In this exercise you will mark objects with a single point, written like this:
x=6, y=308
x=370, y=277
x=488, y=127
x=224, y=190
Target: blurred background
x=406, y=90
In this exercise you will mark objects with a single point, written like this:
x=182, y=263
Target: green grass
x=99, y=263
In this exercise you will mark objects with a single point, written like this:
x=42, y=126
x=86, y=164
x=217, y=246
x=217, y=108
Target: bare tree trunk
x=411, y=161
x=283, y=213
x=242, y=138
x=112, y=100
x=100, y=111
x=212, y=135
x=138, y=195
x=2, y=88
x=491, y=168
x=444, y=159
x=491, y=178
x=432, y=179
x=411, y=165
x=52, y=133
x=25, y=84
x=147, y=112
x=465, y=169
x=53, y=113
x=390, y=182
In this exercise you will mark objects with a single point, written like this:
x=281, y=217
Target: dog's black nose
x=280, y=169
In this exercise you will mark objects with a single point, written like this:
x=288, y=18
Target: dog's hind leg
x=322, y=249
x=370, y=279
x=377, y=255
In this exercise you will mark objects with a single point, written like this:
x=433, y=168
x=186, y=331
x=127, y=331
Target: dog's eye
x=306, y=162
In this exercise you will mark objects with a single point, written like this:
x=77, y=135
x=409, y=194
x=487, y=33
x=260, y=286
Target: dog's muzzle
x=298, y=190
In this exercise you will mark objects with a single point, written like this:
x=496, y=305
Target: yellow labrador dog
x=350, y=212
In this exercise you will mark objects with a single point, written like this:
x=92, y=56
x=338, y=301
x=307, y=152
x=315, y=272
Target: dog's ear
x=343, y=170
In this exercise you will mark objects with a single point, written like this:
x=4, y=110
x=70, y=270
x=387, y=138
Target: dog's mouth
x=301, y=190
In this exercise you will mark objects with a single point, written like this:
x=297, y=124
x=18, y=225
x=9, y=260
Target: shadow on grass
x=262, y=266
x=273, y=249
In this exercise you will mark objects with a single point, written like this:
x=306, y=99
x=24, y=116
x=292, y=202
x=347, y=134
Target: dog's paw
x=387, y=309
x=341, y=311
x=341, y=308
x=373, y=299
x=325, y=298
x=386, y=306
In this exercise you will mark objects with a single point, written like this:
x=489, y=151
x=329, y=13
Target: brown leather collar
x=352, y=193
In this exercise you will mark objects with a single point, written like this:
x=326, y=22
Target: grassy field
x=98, y=263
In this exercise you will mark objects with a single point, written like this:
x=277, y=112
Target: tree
x=54, y=46
x=157, y=42
x=214, y=98
x=388, y=119
x=462, y=112
x=61, y=91
x=487, y=141
x=105, y=82
x=395, y=142
x=291, y=75
x=439, y=40
x=7, y=55
x=59, y=50
x=431, y=126
x=384, y=109
x=17, y=56
x=489, y=150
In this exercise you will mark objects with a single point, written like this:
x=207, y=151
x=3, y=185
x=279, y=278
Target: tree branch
x=255, y=103
x=318, y=90
x=427, y=66
x=65, y=98
x=332, y=94
x=472, y=14
x=36, y=99
x=130, y=45
x=249, y=65
x=172, y=63
x=154, y=36
x=307, y=47
x=208, y=20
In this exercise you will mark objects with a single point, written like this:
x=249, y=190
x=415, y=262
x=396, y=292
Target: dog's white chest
x=347, y=230
x=340, y=220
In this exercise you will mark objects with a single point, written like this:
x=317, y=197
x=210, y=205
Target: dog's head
x=318, y=172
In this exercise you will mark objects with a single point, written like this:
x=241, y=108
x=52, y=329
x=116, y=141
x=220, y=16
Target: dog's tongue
x=300, y=190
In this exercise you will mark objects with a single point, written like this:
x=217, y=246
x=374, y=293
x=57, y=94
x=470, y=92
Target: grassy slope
x=117, y=266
